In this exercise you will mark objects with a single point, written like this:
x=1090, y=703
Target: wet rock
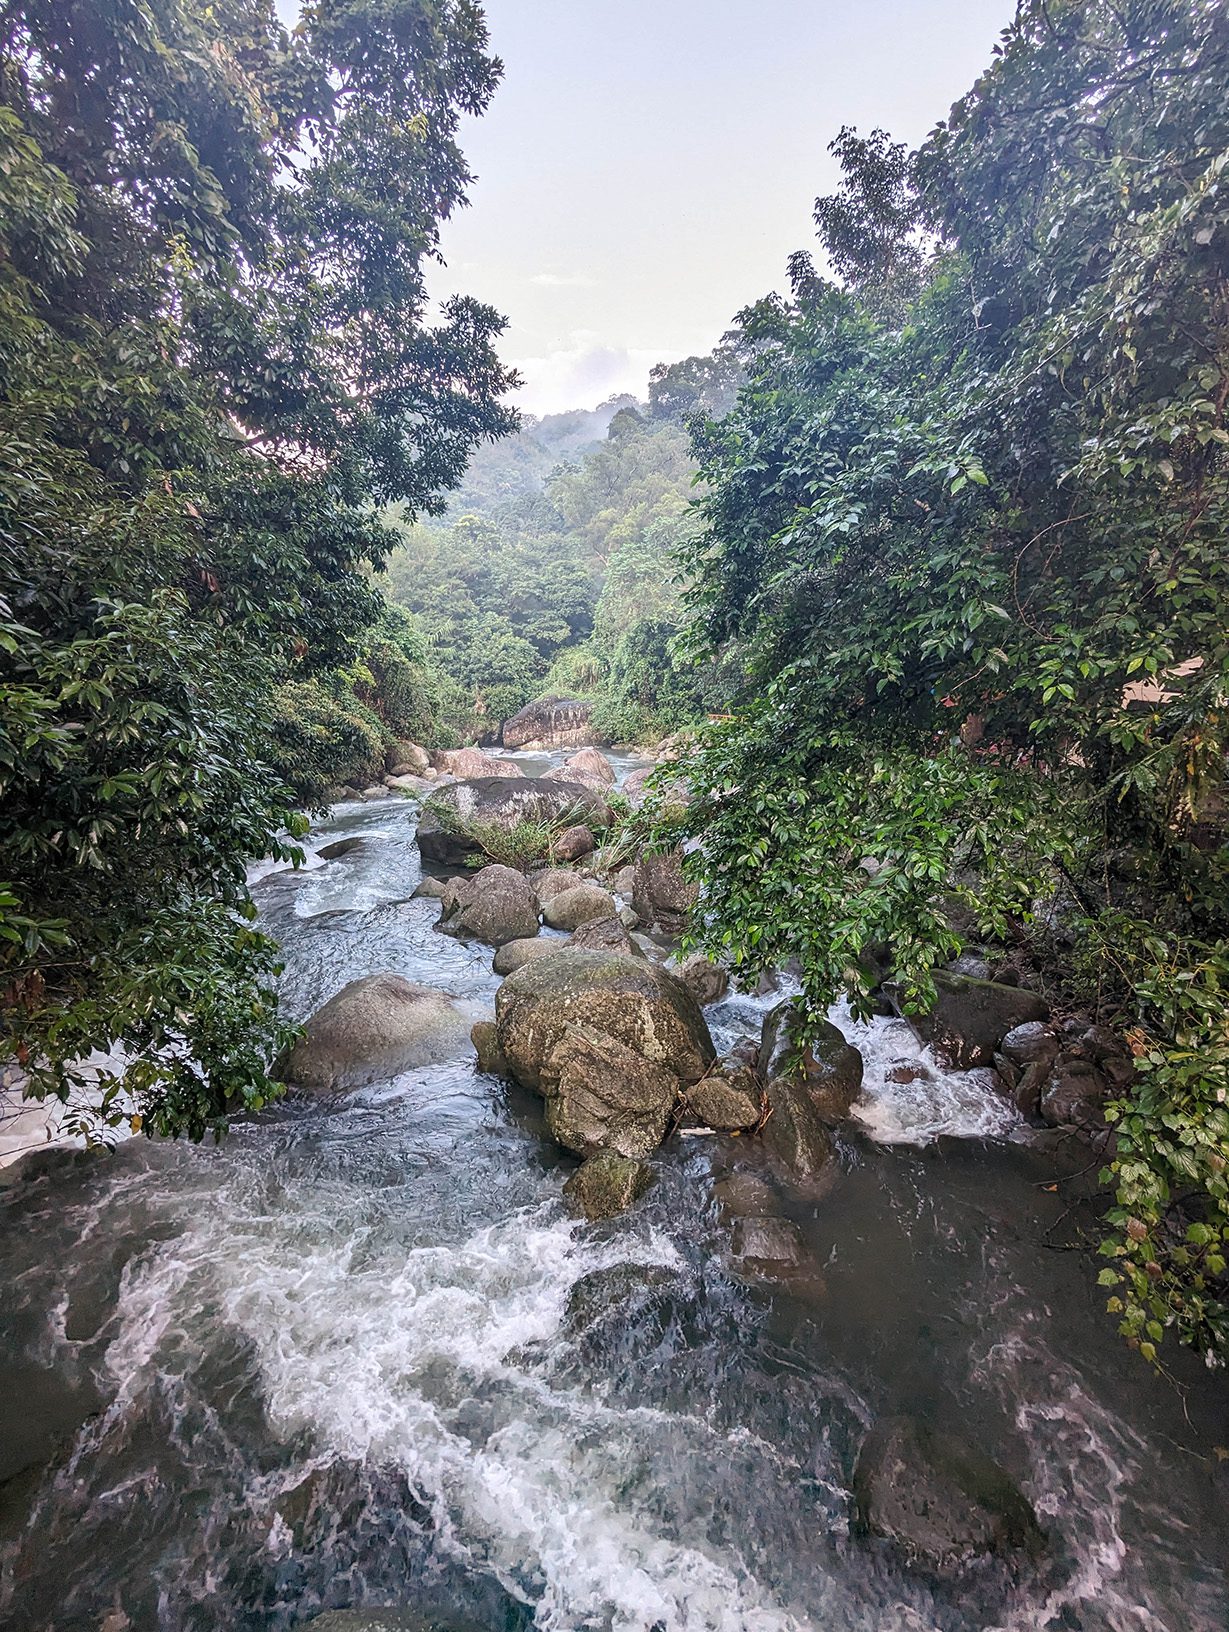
x=941, y=1501
x=551, y=722
x=769, y=1245
x=971, y=1018
x=794, y=1133
x=512, y=954
x=433, y=889
x=729, y=1099
x=569, y=909
x=373, y=1029
x=904, y=1072
x=1026, y=1044
x=602, y=1095
x=341, y=847
x=554, y=881
x=496, y=905
x=484, y=1034
x=828, y=1069
x=630, y=1311
x=1073, y=1096
x=630, y=999
x=606, y=935
x=391, y=1620
x=707, y=982
x=606, y=1184
x=573, y=843
x=660, y=893
x=446, y=828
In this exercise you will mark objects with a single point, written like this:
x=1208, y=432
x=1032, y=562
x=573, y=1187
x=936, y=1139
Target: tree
x=214, y=356
x=967, y=539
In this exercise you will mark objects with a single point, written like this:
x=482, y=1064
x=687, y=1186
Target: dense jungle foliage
x=570, y=583
x=214, y=357
x=966, y=533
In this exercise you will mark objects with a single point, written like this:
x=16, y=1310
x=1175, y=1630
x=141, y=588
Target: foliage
x=213, y=355
x=965, y=537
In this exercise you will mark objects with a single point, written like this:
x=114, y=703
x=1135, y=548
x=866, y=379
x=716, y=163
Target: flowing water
x=360, y=1355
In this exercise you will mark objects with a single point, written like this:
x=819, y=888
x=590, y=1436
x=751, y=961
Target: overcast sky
x=647, y=166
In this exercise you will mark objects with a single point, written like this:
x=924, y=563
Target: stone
x=406, y=757
x=377, y=790
x=828, y=1069
x=1032, y=1041
x=467, y=763
x=554, y=881
x=572, y=908
x=373, y=1029
x=341, y=847
x=971, y=964
x=573, y=843
x=635, y=786
x=484, y=1034
x=602, y=1095
x=446, y=827
x=591, y=762
x=630, y=999
x=433, y=889
x=729, y=1099
x=971, y=1018
x=624, y=881
x=605, y=935
x=707, y=981
x=1073, y=1095
x=794, y=1133
x=768, y=1243
x=660, y=893
x=606, y=1184
x=390, y=1620
x=337, y=794
x=405, y=784
x=550, y=722
x=941, y=1501
x=512, y=954
x=495, y=906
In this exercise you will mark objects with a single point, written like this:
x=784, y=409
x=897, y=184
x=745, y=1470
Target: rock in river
x=569, y=909
x=497, y=905
x=452, y=819
x=972, y=1017
x=606, y=1184
x=373, y=1028
x=828, y=1069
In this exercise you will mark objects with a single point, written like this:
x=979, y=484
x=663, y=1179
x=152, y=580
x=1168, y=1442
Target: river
x=359, y=1354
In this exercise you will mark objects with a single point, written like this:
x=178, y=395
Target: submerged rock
x=390, y=1620
x=606, y=1184
x=374, y=1028
x=769, y=1245
x=942, y=1501
x=496, y=905
x=828, y=1069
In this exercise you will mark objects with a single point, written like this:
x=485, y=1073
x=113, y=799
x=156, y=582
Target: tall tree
x=214, y=357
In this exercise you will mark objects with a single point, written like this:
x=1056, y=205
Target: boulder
x=602, y=1095
x=406, y=758
x=373, y=1029
x=635, y=786
x=606, y=1184
x=341, y=847
x=941, y=1501
x=453, y=817
x=1032, y=1042
x=551, y=722
x=828, y=1069
x=408, y=783
x=728, y=1099
x=794, y=1133
x=605, y=935
x=569, y=909
x=433, y=889
x=512, y=954
x=377, y=790
x=972, y=1017
x=660, y=893
x=707, y=982
x=338, y=794
x=485, y=1037
x=1073, y=1095
x=495, y=906
x=573, y=843
x=589, y=766
x=629, y=999
x=554, y=881
x=672, y=791
x=467, y=763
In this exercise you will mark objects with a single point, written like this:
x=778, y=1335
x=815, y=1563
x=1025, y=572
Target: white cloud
x=585, y=373
x=558, y=280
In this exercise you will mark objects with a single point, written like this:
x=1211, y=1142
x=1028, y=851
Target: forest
x=929, y=553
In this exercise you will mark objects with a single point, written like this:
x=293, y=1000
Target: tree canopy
x=215, y=354
x=965, y=534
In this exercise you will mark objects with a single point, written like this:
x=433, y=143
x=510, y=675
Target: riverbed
x=360, y=1354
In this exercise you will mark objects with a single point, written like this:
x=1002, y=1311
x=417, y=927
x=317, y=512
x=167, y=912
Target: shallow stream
x=359, y=1354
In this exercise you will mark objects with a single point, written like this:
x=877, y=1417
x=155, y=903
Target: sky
x=648, y=166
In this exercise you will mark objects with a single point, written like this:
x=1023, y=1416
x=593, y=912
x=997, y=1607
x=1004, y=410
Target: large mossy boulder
x=373, y=1029
x=941, y=1501
x=971, y=1018
x=828, y=1069
x=497, y=905
x=631, y=999
x=455, y=819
